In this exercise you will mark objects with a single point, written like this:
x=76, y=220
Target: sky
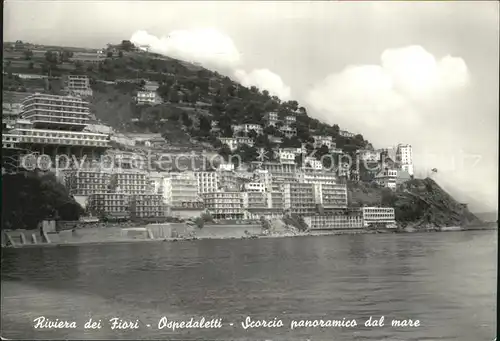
x=419, y=73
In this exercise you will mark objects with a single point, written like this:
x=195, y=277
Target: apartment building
x=180, y=190
x=346, y=133
x=374, y=216
x=234, y=142
x=331, y=197
x=77, y=85
x=259, y=187
x=52, y=125
x=286, y=156
x=87, y=182
x=271, y=118
x=320, y=140
x=146, y=97
x=370, y=156
x=263, y=204
x=111, y=205
x=246, y=128
x=146, y=206
x=299, y=198
x=207, y=181
x=313, y=176
x=280, y=172
x=122, y=205
x=290, y=119
x=387, y=178
x=224, y=205
x=334, y=222
x=404, y=158
x=313, y=163
x=288, y=131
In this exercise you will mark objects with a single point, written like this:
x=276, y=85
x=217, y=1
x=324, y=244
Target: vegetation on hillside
x=28, y=198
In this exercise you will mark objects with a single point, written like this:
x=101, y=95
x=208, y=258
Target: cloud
x=264, y=79
x=214, y=50
x=391, y=95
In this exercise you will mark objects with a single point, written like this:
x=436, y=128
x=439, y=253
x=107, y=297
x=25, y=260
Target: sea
x=433, y=286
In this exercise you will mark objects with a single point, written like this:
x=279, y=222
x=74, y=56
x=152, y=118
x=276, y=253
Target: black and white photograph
x=250, y=170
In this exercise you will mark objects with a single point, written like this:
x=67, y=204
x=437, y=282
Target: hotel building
x=387, y=178
x=86, y=182
x=180, y=191
x=122, y=205
x=54, y=125
x=404, y=157
x=271, y=118
x=312, y=176
x=234, y=142
x=346, y=133
x=320, y=140
x=373, y=216
x=207, y=181
x=331, y=197
x=290, y=119
x=299, y=198
x=288, y=131
x=224, y=205
x=334, y=222
x=312, y=163
x=147, y=97
x=77, y=85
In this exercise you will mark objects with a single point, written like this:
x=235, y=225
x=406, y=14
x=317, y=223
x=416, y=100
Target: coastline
x=254, y=236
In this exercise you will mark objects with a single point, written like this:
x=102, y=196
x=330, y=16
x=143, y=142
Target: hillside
x=193, y=97
x=418, y=203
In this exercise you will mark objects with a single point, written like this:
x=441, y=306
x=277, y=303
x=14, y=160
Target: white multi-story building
x=346, y=133
x=180, y=190
x=271, y=118
x=404, y=156
x=368, y=155
x=313, y=163
x=234, y=142
x=207, y=181
x=331, y=197
x=299, y=197
x=316, y=177
x=290, y=119
x=288, y=131
x=123, y=205
x=255, y=187
x=334, y=222
x=378, y=216
x=387, y=178
x=286, y=156
x=224, y=205
x=249, y=127
x=147, y=97
x=77, y=85
x=320, y=140
x=54, y=125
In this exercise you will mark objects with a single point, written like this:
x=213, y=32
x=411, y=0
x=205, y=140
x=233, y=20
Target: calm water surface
x=445, y=280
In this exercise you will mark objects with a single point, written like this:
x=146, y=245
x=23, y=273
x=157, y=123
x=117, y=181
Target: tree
x=186, y=120
x=225, y=152
x=31, y=66
x=28, y=54
x=205, y=124
x=120, y=54
x=66, y=55
x=51, y=57
x=173, y=96
x=199, y=222
x=127, y=45
x=109, y=54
